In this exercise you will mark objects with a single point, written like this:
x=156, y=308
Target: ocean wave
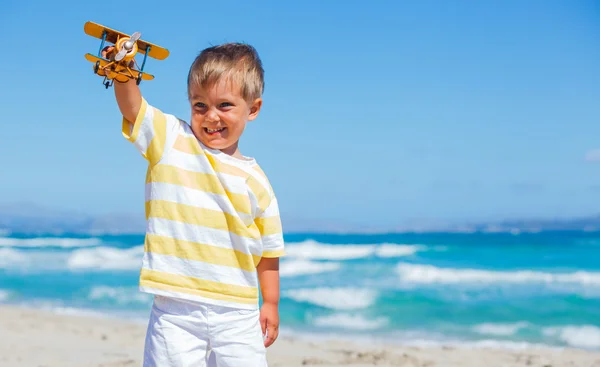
x=49, y=242
x=120, y=295
x=429, y=274
x=290, y=268
x=4, y=295
x=578, y=336
x=499, y=329
x=349, y=322
x=11, y=258
x=106, y=258
x=314, y=250
x=334, y=298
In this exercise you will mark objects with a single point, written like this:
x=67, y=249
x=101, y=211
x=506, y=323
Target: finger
x=272, y=335
x=106, y=50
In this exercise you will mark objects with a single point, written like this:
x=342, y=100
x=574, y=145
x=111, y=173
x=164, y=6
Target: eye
x=226, y=104
x=200, y=105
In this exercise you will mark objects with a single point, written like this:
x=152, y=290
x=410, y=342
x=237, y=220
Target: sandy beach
x=43, y=339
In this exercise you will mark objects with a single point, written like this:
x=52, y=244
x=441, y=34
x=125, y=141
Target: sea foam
x=49, y=242
x=430, y=274
x=499, y=329
x=4, y=295
x=290, y=268
x=106, y=258
x=334, y=298
x=120, y=295
x=584, y=336
x=350, y=322
x=314, y=250
x=10, y=258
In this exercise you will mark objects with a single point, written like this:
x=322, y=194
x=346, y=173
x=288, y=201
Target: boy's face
x=219, y=115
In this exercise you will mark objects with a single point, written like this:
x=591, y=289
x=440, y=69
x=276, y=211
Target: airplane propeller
x=127, y=46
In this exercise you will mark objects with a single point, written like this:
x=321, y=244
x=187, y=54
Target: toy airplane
x=121, y=64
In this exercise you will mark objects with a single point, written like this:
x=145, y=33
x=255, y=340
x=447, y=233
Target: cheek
x=234, y=120
x=197, y=118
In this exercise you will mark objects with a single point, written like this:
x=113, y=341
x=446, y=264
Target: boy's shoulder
x=248, y=165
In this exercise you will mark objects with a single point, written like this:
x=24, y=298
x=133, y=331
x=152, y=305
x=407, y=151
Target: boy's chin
x=217, y=144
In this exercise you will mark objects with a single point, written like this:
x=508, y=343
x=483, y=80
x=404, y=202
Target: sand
x=40, y=338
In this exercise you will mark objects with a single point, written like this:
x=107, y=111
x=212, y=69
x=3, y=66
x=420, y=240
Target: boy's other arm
x=268, y=276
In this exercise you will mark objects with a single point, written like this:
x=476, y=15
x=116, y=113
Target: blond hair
x=236, y=62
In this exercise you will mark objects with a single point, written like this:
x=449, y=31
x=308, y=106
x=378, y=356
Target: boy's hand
x=107, y=50
x=269, y=321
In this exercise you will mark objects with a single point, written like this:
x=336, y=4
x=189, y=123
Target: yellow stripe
x=221, y=167
x=264, y=199
x=201, y=252
x=188, y=144
x=278, y=253
x=200, y=216
x=157, y=144
x=126, y=125
x=198, y=181
x=200, y=287
x=260, y=171
x=269, y=225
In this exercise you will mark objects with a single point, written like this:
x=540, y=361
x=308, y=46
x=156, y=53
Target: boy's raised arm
x=128, y=94
x=129, y=99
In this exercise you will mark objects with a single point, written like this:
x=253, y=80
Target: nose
x=212, y=116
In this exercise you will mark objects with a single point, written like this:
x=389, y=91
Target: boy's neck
x=233, y=151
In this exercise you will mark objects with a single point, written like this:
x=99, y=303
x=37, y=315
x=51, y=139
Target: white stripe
x=272, y=210
x=146, y=131
x=200, y=199
x=174, y=126
x=205, y=235
x=260, y=178
x=188, y=162
x=199, y=164
x=187, y=131
x=273, y=242
x=185, y=195
x=199, y=270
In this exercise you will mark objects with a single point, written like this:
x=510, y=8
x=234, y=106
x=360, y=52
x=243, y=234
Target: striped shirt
x=210, y=217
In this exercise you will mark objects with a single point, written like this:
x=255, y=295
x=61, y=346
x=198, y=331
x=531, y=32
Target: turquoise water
x=481, y=289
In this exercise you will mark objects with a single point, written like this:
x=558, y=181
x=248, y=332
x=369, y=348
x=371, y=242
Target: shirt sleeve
x=269, y=225
x=151, y=132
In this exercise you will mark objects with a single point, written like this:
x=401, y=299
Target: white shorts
x=183, y=333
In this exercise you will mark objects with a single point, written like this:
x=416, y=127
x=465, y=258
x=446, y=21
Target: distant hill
x=590, y=223
x=31, y=218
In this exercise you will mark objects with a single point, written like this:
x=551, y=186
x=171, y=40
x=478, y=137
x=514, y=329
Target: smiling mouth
x=214, y=131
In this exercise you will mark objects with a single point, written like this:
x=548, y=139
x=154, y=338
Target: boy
x=213, y=232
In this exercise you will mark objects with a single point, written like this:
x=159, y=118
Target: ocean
x=474, y=289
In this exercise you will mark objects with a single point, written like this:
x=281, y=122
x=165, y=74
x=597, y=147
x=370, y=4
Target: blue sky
x=375, y=112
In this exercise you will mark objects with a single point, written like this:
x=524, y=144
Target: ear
x=255, y=109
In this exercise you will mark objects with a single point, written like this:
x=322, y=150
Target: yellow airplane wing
x=121, y=73
x=96, y=30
